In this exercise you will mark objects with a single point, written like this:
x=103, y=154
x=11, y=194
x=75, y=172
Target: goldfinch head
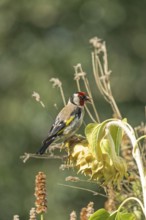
x=79, y=99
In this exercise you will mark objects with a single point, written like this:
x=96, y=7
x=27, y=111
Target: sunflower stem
x=42, y=217
x=136, y=154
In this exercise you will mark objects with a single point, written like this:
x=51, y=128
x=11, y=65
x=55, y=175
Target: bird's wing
x=58, y=127
x=64, y=119
x=56, y=130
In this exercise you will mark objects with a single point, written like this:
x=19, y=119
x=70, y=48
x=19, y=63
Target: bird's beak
x=88, y=99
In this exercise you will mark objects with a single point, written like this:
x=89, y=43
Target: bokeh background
x=45, y=38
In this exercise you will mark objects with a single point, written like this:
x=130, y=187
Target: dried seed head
x=83, y=214
x=38, y=98
x=40, y=193
x=86, y=212
x=90, y=209
x=73, y=215
x=96, y=42
x=56, y=82
x=16, y=217
x=32, y=214
x=98, y=159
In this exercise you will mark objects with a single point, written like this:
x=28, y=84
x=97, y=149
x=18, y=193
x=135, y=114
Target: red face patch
x=82, y=96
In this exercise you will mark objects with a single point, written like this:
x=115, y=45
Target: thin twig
x=87, y=86
x=101, y=73
x=77, y=179
x=37, y=97
x=97, y=77
x=84, y=189
x=58, y=83
x=62, y=95
x=77, y=78
x=27, y=156
x=87, y=109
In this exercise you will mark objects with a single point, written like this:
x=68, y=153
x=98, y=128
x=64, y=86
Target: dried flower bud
x=40, y=193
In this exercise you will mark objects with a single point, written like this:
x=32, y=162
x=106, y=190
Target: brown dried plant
x=102, y=73
x=32, y=214
x=129, y=184
x=73, y=215
x=85, y=212
x=16, y=217
x=40, y=194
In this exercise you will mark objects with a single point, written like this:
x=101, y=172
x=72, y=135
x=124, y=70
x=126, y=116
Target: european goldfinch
x=67, y=121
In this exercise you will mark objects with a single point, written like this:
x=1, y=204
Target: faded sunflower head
x=97, y=156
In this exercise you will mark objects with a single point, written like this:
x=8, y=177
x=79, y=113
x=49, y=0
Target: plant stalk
x=42, y=217
x=136, y=155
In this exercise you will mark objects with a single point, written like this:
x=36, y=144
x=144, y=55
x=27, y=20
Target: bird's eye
x=83, y=97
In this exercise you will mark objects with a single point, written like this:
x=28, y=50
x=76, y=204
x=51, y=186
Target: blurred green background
x=45, y=38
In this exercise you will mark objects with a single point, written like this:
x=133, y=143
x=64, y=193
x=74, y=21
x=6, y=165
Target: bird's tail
x=45, y=145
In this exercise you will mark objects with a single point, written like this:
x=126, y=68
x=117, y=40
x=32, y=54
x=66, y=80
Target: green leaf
x=89, y=130
x=116, y=133
x=92, y=134
x=125, y=216
x=100, y=214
